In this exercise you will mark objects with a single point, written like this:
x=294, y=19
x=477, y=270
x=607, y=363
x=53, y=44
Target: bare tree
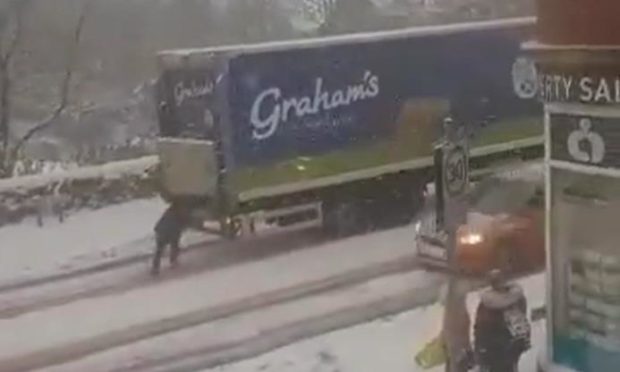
x=12, y=16
x=10, y=35
x=330, y=17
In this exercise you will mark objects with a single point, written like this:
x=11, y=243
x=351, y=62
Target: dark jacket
x=172, y=223
x=502, y=329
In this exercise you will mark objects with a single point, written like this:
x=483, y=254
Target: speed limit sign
x=456, y=170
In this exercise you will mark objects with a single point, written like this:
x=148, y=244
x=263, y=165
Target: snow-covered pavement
x=382, y=345
x=86, y=238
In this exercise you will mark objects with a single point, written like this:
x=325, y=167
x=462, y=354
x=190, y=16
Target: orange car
x=505, y=229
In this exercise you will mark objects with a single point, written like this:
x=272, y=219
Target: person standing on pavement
x=502, y=329
x=168, y=231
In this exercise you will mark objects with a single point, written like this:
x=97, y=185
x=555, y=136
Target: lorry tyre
x=344, y=218
x=411, y=199
x=417, y=201
x=231, y=229
x=397, y=209
x=234, y=228
x=410, y=203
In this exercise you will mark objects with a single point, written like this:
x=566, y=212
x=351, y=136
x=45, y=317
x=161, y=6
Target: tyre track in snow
x=72, y=274
x=114, y=339
x=132, y=273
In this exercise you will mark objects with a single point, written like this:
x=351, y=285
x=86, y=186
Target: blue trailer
x=344, y=124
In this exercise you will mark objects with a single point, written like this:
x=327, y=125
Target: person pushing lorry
x=168, y=231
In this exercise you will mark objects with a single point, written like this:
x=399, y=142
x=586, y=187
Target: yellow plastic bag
x=432, y=355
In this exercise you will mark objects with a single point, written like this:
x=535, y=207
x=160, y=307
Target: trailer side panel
x=308, y=113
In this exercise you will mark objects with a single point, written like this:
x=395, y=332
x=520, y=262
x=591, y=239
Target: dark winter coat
x=502, y=330
x=171, y=224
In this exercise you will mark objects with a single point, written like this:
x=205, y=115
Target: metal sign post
x=452, y=182
x=455, y=182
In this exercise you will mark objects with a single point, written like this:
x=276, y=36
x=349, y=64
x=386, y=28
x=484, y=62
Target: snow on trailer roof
x=175, y=57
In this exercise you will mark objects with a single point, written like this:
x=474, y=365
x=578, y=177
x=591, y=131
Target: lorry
x=339, y=129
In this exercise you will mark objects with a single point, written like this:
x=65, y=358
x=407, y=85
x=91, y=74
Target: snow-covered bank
x=80, y=188
x=86, y=238
x=384, y=345
x=106, y=171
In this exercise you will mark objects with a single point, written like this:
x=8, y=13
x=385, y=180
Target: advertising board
x=307, y=113
x=585, y=271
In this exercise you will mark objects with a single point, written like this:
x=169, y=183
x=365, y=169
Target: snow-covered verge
x=105, y=171
x=86, y=187
x=384, y=345
x=86, y=238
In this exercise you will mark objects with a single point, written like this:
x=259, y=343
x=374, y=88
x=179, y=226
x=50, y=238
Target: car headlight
x=471, y=239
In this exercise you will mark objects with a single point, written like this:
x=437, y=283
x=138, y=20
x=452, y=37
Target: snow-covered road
x=257, y=331
x=74, y=325
x=383, y=345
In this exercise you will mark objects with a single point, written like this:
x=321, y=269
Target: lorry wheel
x=397, y=209
x=418, y=200
x=413, y=202
x=231, y=230
x=344, y=218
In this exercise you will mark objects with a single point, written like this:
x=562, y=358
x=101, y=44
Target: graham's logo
x=192, y=90
x=525, y=78
x=271, y=108
x=585, y=145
